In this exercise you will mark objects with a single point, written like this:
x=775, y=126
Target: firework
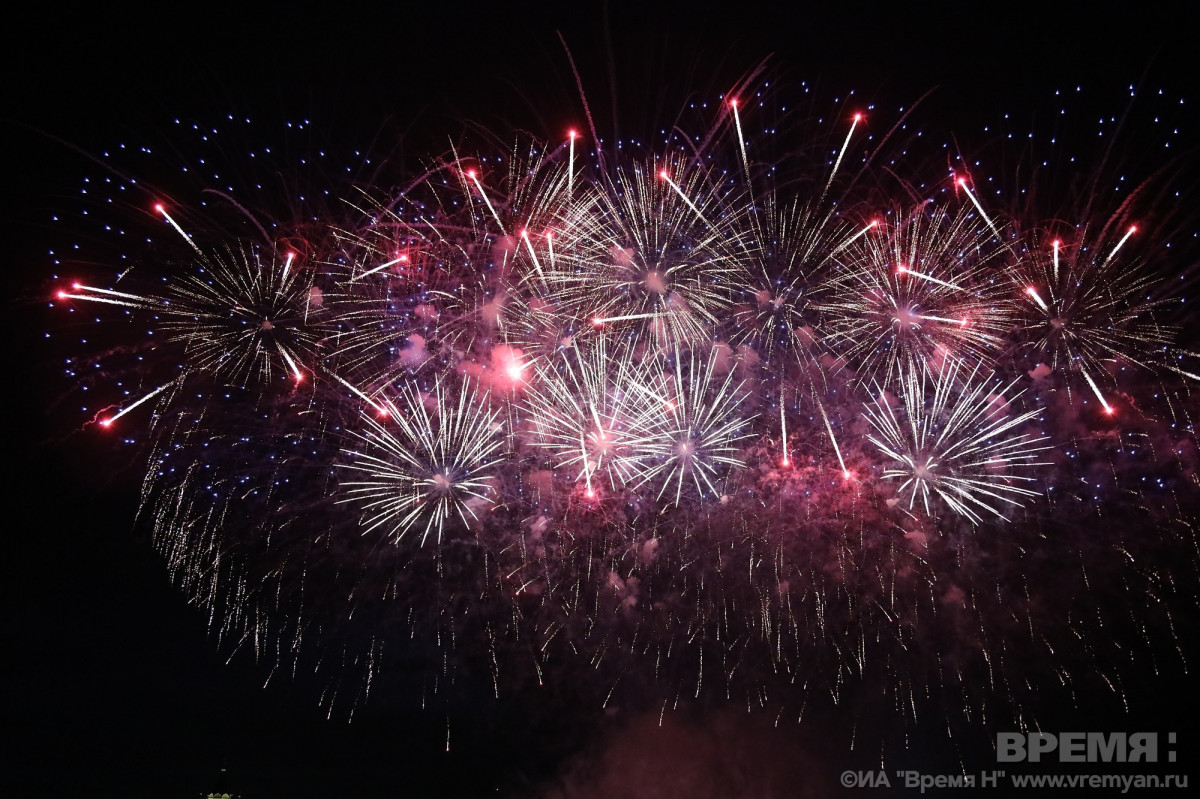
x=589, y=416
x=1087, y=311
x=656, y=246
x=917, y=290
x=954, y=438
x=420, y=467
x=651, y=417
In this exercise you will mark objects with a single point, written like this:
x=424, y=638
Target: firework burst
x=422, y=467
x=1087, y=310
x=656, y=246
x=915, y=291
x=695, y=424
x=955, y=438
x=680, y=432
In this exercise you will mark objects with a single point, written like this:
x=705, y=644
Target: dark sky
x=114, y=688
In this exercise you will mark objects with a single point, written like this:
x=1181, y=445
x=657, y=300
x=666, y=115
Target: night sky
x=113, y=686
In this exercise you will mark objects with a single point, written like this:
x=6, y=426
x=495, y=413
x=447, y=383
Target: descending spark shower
x=692, y=424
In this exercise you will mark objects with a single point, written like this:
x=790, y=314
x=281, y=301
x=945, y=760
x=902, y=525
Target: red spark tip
x=785, y=462
x=670, y=406
x=663, y=174
x=858, y=117
x=471, y=173
x=1029, y=290
x=1057, y=243
x=901, y=269
x=299, y=377
x=845, y=474
x=1110, y=410
x=1133, y=228
x=591, y=494
x=159, y=208
x=961, y=181
x=597, y=321
x=549, y=234
x=524, y=233
x=383, y=413
x=733, y=102
x=62, y=295
x=874, y=223
x=572, y=133
x=106, y=422
x=402, y=259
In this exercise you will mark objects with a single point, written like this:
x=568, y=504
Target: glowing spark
x=108, y=422
x=479, y=186
x=666, y=176
x=111, y=297
x=1032, y=292
x=841, y=154
x=737, y=121
x=783, y=428
x=1120, y=244
x=571, y=165
x=380, y=408
x=874, y=223
x=162, y=210
x=833, y=439
x=599, y=321
x=397, y=260
x=1096, y=390
x=904, y=270
x=962, y=182
x=529, y=245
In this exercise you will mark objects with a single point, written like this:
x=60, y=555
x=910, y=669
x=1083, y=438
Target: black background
x=113, y=685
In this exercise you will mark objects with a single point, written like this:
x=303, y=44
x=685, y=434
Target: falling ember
x=841, y=154
x=962, y=182
x=571, y=164
x=479, y=187
x=833, y=440
x=1032, y=292
x=1096, y=390
x=109, y=421
x=1120, y=244
x=783, y=438
x=162, y=210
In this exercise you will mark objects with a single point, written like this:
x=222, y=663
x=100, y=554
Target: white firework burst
x=588, y=418
x=419, y=468
x=245, y=315
x=654, y=247
x=1086, y=308
x=692, y=424
x=954, y=437
x=916, y=292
